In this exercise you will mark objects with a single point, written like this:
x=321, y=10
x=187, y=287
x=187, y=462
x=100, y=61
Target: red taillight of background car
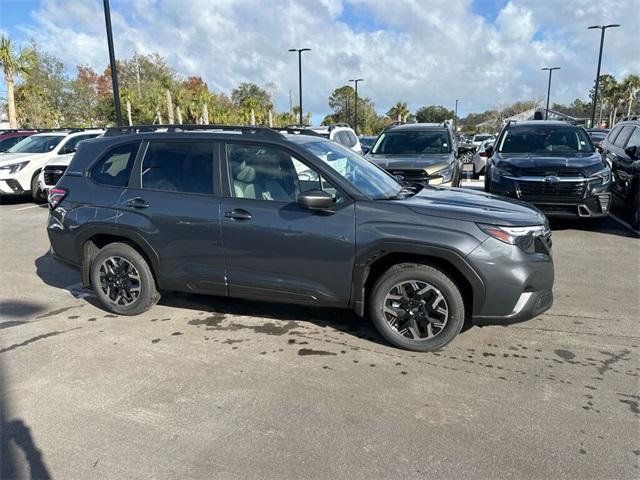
x=56, y=195
x=483, y=154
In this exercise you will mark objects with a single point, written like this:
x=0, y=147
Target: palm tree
x=399, y=111
x=13, y=64
x=631, y=86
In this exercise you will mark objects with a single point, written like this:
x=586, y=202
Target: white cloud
x=424, y=51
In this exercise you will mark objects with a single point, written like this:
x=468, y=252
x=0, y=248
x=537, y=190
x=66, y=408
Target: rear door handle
x=238, y=214
x=137, y=203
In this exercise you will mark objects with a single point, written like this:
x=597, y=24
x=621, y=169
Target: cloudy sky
x=484, y=52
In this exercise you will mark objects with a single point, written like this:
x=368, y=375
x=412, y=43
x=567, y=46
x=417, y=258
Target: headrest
x=244, y=173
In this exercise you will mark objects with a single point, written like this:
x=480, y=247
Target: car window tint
x=634, y=139
x=265, y=173
x=7, y=143
x=625, y=133
x=115, y=167
x=185, y=167
x=613, y=134
x=352, y=139
x=341, y=138
x=72, y=143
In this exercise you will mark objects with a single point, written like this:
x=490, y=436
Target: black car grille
x=545, y=172
x=411, y=175
x=551, y=192
x=52, y=175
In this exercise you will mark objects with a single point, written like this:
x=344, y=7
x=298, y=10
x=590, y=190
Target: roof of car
x=419, y=126
x=629, y=122
x=540, y=123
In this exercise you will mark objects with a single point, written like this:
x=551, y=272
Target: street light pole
x=551, y=69
x=300, y=50
x=355, y=122
x=595, y=93
x=112, y=60
x=455, y=118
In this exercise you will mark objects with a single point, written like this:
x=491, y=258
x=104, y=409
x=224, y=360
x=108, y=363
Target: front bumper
x=569, y=198
x=529, y=305
x=11, y=186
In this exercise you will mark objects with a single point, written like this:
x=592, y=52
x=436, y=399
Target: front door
x=275, y=249
x=172, y=202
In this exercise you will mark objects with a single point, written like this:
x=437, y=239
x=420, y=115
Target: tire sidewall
x=425, y=274
x=36, y=193
x=148, y=293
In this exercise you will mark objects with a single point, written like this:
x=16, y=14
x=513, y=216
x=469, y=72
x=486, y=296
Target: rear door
x=619, y=160
x=275, y=249
x=623, y=167
x=173, y=202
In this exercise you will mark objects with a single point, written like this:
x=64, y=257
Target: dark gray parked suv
x=251, y=213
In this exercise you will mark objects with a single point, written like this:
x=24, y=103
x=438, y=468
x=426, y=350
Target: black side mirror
x=632, y=152
x=315, y=200
x=365, y=149
x=64, y=151
x=488, y=150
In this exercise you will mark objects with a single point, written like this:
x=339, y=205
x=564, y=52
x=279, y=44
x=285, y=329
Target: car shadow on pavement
x=15, y=199
x=16, y=435
x=606, y=226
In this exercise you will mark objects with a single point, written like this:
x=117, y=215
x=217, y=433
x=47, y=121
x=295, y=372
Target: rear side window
x=624, y=135
x=352, y=138
x=634, y=139
x=115, y=167
x=185, y=167
x=613, y=134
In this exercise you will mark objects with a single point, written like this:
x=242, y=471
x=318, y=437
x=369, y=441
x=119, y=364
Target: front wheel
x=417, y=307
x=122, y=280
x=36, y=193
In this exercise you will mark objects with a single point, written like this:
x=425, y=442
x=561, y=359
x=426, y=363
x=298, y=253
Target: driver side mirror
x=632, y=152
x=488, y=150
x=315, y=200
x=66, y=150
x=365, y=150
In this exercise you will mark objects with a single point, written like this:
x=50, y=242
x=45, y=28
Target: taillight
x=56, y=195
x=484, y=154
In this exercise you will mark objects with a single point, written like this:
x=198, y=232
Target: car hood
x=520, y=164
x=61, y=160
x=9, y=158
x=473, y=206
x=430, y=163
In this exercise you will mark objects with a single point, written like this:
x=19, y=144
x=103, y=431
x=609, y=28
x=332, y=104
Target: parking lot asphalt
x=205, y=387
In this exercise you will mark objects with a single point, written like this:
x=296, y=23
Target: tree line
x=41, y=94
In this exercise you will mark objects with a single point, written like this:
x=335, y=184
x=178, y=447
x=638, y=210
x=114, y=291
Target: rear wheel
x=417, y=307
x=122, y=280
x=36, y=193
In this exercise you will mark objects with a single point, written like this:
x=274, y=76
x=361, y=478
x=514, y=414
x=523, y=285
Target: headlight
x=14, y=167
x=604, y=174
x=530, y=239
x=446, y=174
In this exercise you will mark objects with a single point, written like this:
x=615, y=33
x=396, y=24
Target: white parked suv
x=21, y=165
x=341, y=133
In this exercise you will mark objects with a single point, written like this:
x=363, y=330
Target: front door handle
x=137, y=203
x=238, y=214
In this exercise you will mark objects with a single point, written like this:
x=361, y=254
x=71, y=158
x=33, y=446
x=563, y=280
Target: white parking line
x=624, y=224
x=24, y=208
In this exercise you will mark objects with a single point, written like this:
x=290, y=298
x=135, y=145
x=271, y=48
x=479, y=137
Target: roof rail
x=393, y=125
x=179, y=128
x=339, y=124
x=298, y=131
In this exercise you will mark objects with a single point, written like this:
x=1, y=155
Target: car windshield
x=36, y=144
x=412, y=142
x=481, y=138
x=367, y=141
x=547, y=140
x=369, y=179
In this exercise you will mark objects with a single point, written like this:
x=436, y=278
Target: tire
x=36, y=194
x=635, y=212
x=139, y=279
x=427, y=279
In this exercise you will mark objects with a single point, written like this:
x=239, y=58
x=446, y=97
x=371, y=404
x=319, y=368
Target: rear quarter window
x=114, y=168
x=624, y=135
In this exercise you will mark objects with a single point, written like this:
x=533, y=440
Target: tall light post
x=595, y=93
x=355, y=122
x=112, y=60
x=551, y=69
x=455, y=118
x=300, y=50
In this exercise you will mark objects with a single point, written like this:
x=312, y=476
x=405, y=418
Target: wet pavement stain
x=565, y=354
x=309, y=351
x=111, y=316
x=92, y=319
x=211, y=321
x=36, y=338
x=155, y=340
x=613, y=358
x=633, y=405
x=11, y=323
x=175, y=334
x=229, y=341
x=56, y=312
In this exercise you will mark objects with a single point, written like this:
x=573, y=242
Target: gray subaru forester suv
x=251, y=213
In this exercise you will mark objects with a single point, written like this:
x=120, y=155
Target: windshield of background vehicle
x=369, y=179
x=547, y=140
x=481, y=138
x=412, y=142
x=36, y=144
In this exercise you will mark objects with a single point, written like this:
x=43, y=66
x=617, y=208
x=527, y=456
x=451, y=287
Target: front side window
x=625, y=133
x=412, y=142
x=115, y=167
x=185, y=167
x=37, y=144
x=72, y=143
x=266, y=173
x=634, y=139
x=545, y=140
